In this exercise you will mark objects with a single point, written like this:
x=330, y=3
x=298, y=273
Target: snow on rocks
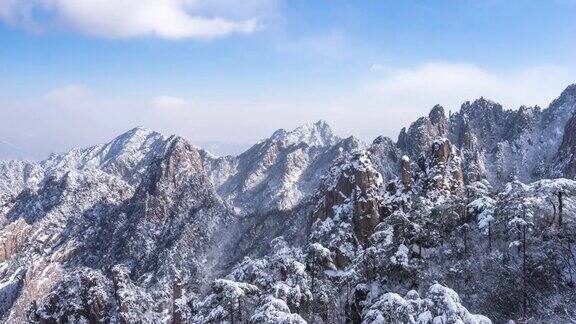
x=273, y=311
x=279, y=172
x=316, y=134
x=441, y=305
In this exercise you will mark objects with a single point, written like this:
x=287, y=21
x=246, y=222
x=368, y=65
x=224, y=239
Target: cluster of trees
x=509, y=255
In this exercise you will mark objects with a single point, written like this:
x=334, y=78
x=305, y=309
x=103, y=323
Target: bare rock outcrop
x=12, y=238
x=358, y=184
x=566, y=159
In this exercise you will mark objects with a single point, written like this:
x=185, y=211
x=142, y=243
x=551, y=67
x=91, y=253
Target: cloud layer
x=381, y=104
x=451, y=83
x=171, y=19
x=397, y=96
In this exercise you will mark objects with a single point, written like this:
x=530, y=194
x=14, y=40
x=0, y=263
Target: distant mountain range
x=465, y=213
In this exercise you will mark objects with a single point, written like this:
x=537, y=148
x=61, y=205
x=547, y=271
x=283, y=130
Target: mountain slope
x=158, y=230
x=277, y=172
x=455, y=219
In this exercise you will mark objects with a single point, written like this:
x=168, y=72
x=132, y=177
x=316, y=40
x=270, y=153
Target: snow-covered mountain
x=497, y=144
x=278, y=172
x=470, y=213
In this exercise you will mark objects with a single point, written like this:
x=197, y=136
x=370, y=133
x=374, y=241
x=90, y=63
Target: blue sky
x=75, y=73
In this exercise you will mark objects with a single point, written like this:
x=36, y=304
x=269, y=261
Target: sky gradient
x=75, y=73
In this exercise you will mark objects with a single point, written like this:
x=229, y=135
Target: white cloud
x=377, y=67
x=169, y=102
x=402, y=95
x=381, y=104
x=66, y=95
x=452, y=83
x=172, y=19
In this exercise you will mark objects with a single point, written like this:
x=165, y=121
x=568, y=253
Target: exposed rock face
x=367, y=184
x=445, y=166
x=359, y=184
x=437, y=117
x=386, y=157
x=14, y=236
x=481, y=120
x=423, y=132
x=567, y=152
x=406, y=174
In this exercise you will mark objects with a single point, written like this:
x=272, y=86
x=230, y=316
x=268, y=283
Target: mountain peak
x=321, y=123
x=133, y=140
x=313, y=134
x=437, y=114
x=137, y=132
x=483, y=102
x=570, y=90
x=567, y=96
x=480, y=105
